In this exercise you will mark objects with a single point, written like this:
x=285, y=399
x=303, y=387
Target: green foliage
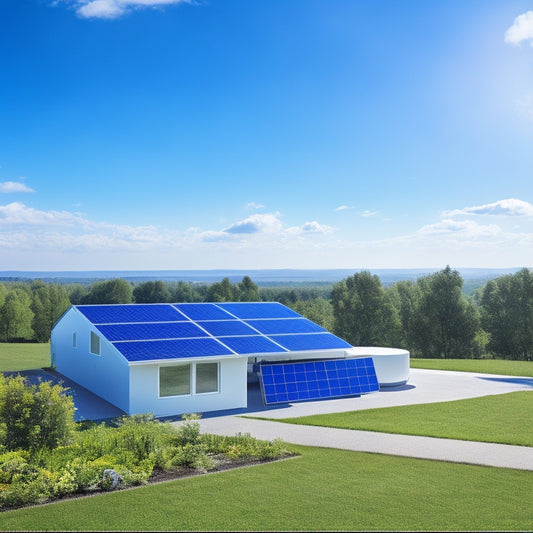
x=113, y=291
x=132, y=449
x=151, y=292
x=34, y=417
x=507, y=315
x=16, y=316
x=363, y=312
x=317, y=310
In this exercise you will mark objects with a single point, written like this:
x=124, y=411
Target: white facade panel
x=232, y=390
x=106, y=375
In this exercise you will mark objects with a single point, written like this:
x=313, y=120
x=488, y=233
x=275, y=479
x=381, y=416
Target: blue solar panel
x=221, y=328
x=171, y=349
x=315, y=380
x=147, y=331
x=204, y=311
x=310, y=341
x=115, y=314
x=247, y=310
x=286, y=325
x=251, y=345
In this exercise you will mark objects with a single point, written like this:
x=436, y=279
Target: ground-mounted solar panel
x=150, y=330
x=310, y=341
x=285, y=325
x=226, y=328
x=115, y=314
x=171, y=349
x=251, y=345
x=316, y=380
x=203, y=311
x=246, y=310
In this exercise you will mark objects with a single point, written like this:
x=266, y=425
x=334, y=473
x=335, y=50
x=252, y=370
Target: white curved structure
x=391, y=364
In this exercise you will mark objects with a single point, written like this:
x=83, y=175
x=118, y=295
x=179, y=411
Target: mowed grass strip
x=502, y=418
x=324, y=489
x=23, y=356
x=483, y=366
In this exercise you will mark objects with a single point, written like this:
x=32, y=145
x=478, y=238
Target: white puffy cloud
x=109, y=9
x=368, y=213
x=14, y=186
x=521, y=30
x=260, y=223
x=16, y=213
x=343, y=207
x=463, y=229
x=510, y=207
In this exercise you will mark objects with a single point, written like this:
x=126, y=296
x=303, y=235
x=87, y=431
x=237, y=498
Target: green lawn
x=503, y=418
x=483, y=366
x=324, y=489
x=22, y=356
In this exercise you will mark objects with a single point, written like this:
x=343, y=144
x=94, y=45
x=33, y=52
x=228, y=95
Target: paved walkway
x=424, y=386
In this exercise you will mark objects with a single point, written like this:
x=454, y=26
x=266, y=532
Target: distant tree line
x=430, y=317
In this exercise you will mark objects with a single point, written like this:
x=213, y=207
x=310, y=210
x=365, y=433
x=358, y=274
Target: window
x=74, y=340
x=95, y=343
x=206, y=377
x=175, y=380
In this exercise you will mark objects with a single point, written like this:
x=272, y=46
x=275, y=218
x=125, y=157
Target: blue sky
x=249, y=134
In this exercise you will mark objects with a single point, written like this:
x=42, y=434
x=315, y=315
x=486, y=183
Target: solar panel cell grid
x=317, y=380
x=115, y=314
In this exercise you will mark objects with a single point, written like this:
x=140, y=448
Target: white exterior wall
x=144, y=389
x=106, y=374
x=391, y=364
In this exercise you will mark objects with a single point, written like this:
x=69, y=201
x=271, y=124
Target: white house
x=170, y=359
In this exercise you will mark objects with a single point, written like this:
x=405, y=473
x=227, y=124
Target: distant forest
x=435, y=316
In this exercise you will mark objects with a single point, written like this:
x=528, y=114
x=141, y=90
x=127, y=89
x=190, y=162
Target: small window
x=74, y=340
x=175, y=380
x=206, y=378
x=95, y=343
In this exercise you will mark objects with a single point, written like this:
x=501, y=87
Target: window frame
x=192, y=379
x=96, y=337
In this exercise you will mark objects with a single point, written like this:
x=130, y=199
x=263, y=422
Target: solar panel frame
x=203, y=311
x=252, y=344
x=251, y=310
x=226, y=328
x=315, y=380
x=150, y=331
x=310, y=342
x=154, y=350
x=133, y=313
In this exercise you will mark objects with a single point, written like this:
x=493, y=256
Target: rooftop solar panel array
x=164, y=331
x=315, y=380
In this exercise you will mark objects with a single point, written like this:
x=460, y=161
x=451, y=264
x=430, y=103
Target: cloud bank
x=510, y=207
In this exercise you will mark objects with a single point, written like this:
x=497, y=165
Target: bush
x=34, y=417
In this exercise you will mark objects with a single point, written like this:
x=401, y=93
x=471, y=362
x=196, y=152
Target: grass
x=324, y=489
x=23, y=356
x=483, y=366
x=503, y=418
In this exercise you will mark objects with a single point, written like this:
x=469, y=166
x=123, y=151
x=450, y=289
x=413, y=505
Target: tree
x=151, y=292
x=248, y=290
x=113, y=291
x=404, y=295
x=363, y=313
x=49, y=302
x=507, y=314
x=317, y=310
x=445, y=323
x=224, y=291
x=16, y=316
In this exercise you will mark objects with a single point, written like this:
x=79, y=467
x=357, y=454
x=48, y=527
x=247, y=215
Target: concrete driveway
x=424, y=386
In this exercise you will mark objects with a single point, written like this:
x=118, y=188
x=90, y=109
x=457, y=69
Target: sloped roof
x=147, y=332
